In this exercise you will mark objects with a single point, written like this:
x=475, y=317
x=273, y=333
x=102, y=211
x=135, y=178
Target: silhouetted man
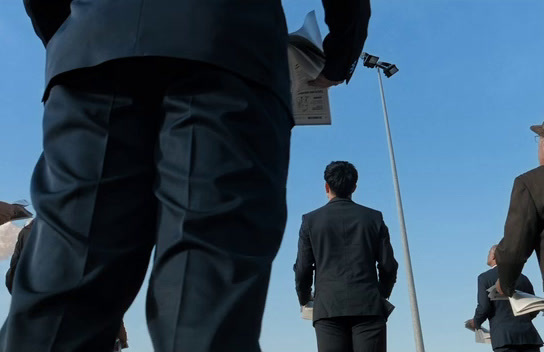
x=167, y=124
x=524, y=228
x=508, y=332
x=344, y=241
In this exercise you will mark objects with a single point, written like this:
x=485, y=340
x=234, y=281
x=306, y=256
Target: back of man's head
x=491, y=261
x=341, y=176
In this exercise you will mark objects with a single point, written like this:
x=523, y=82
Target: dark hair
x=341, y=177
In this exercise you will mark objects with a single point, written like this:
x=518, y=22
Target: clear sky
x=471, y=82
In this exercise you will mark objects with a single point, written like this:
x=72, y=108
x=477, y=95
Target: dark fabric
x=522, y=348
x=343, y=241
x=122, y=336
x=348, y=24
x=174, y=154
x=246, y=37
x=524, y=228
x=351, y=334
x=505, y=328
x=21, y=239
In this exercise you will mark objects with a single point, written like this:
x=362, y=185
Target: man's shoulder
x=490, y=276
x=535, y=175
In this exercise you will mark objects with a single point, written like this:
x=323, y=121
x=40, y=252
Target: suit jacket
x=344, y=241
x=21, y=239
x=247, y=37
x=524, y=228
x=505, y=328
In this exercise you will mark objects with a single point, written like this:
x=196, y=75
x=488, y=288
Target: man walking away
x=508, y=332
x=345, y=241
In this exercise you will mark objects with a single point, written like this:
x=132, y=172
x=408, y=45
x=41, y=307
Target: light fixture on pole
x=389, y=70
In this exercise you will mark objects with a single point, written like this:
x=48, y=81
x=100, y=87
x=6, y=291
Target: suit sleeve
x=484, y=307
x=304, y=265
x=348, y=25
x=520, y=234
x=387, y=265
x=47, y=16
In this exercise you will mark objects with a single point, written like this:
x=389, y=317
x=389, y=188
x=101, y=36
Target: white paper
x=523, y=303
x=307, y=311
x=482, y=335
x=306, y=61
x=494, y=294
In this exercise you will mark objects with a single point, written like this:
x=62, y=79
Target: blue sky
x=471, y=81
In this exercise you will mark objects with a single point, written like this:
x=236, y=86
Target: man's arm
x=387, y=265
x=47, y=16
x=304, y=266
x=10, y=275
x=348, y=25
x=484, y=307
x=520, y=233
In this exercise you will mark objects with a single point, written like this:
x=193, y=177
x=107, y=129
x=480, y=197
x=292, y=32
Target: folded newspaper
x=481, y=335
x=521, y=302
x=307, y=311
x=306, y=61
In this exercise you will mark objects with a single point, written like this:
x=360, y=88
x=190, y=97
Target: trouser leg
x=88, y=251
x=333, y=335
x=222, y=166
x=369, y=334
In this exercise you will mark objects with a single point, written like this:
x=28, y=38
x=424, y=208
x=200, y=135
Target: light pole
x=389, y=70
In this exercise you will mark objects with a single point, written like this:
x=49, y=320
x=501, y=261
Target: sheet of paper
x=494, y=295
x=482, y=336
x=524, y=303
x=307, y=311
x=306, y=61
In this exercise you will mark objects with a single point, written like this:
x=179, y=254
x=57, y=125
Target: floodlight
x=370, y=60
x=390, y=70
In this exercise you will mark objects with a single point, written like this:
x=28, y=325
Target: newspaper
x=307, y=311
x=494, y=295
x=481, y=335
x=306, y=61
x=521, y=302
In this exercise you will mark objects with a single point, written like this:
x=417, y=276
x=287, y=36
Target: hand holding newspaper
x=521, y=302
x=307, y=311
x=481, y=335
x=306, y=61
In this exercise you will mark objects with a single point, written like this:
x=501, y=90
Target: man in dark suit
x=524, y=228
x=508, y=332
x=166, y=125
x=342, y=241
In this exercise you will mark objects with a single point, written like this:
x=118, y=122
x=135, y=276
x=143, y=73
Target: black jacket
x=21, y=239
x=345, y=241
x=524, y=228
x=245, y=36
x=505, y=328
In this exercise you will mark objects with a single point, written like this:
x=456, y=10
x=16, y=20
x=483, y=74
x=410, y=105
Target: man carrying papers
x=508, y=332
x=524, y=227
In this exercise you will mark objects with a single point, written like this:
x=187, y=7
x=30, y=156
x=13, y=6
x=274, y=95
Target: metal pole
x=418, y=335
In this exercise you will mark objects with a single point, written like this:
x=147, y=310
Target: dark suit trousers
x=518, y=348
x=143, y=154
x=351, y=334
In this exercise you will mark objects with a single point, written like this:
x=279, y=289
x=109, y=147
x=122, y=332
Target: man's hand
x=498, y=286
x=322, y=82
